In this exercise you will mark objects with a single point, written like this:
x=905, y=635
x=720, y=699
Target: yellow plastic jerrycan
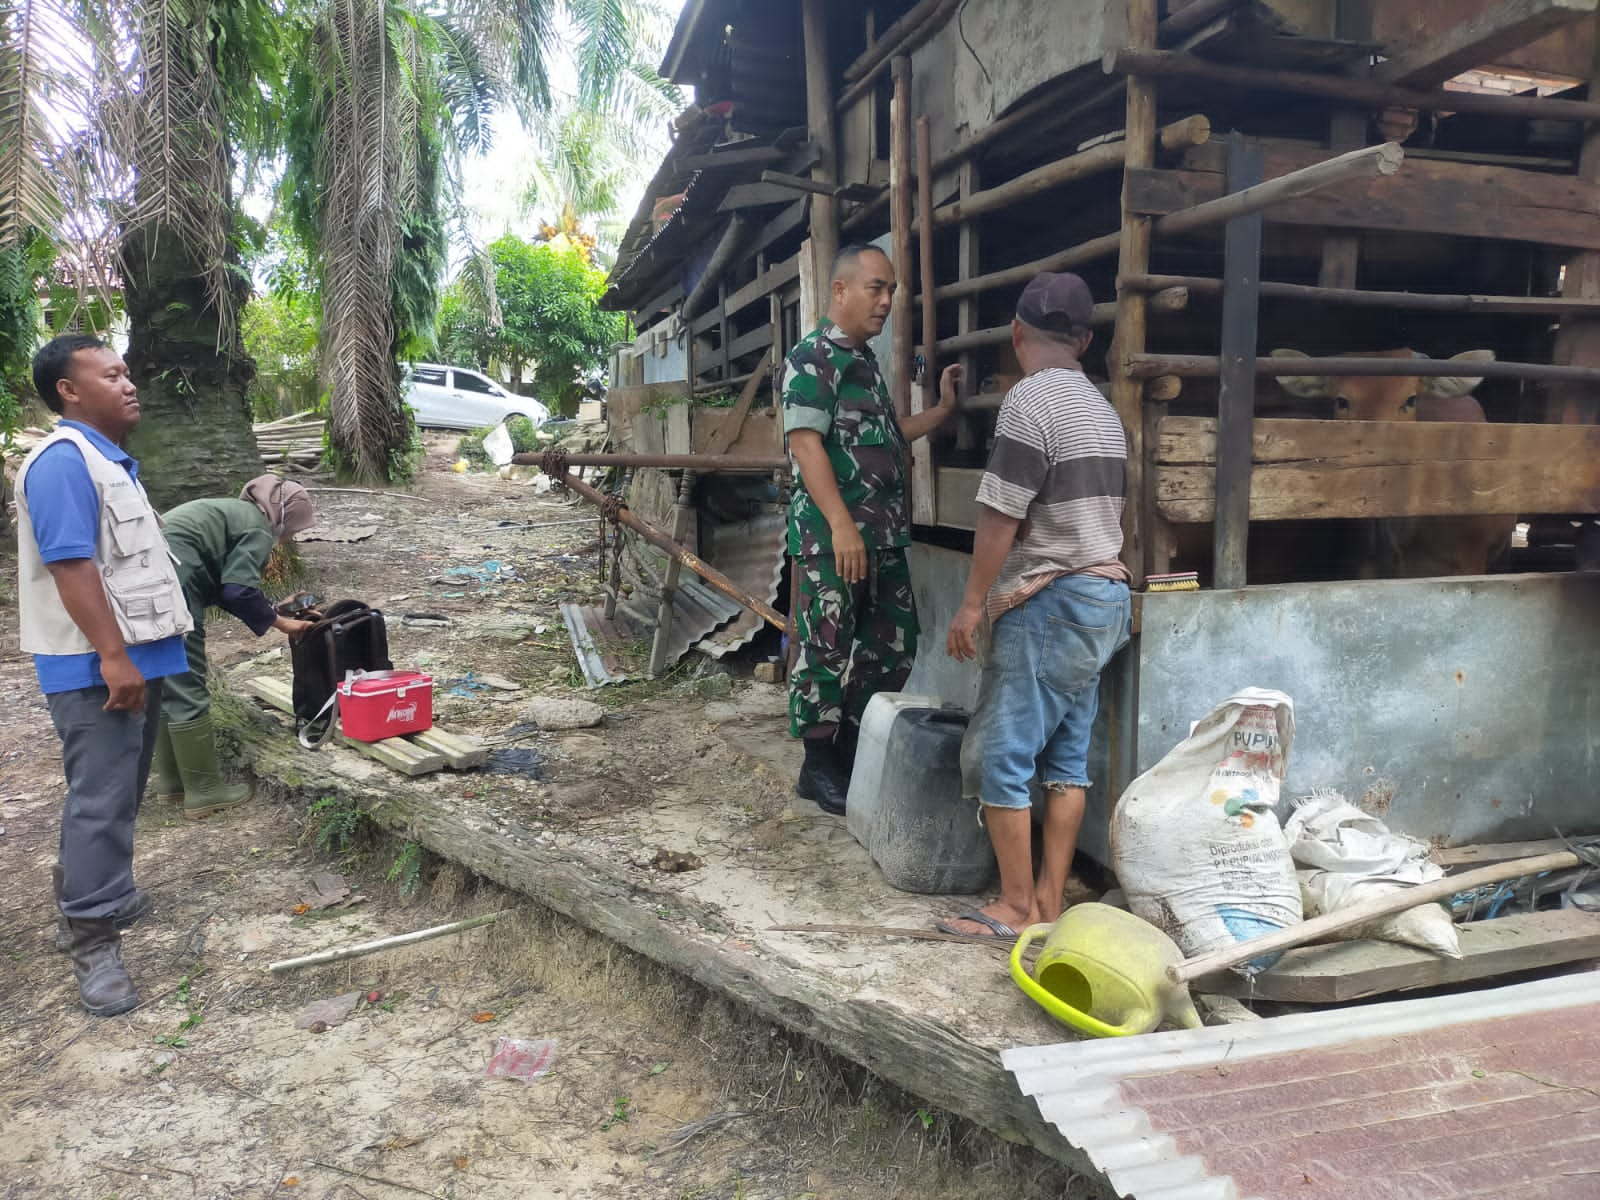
x=1104, y=971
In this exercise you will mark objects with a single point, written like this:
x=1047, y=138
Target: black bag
x=350, y=636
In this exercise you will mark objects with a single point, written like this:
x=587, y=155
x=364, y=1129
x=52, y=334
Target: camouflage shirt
x=836, y=389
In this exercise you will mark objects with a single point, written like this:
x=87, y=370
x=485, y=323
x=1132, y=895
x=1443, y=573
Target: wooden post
x=967, y=266
x=1236, y=406
x=681, y=513
x=1578, y=340
x=820, y=122
x=922, y=489
x=1341, y=251
x=900, y=140
x=1134, y=259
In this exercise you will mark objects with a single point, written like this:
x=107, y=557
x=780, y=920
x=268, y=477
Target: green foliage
x=280, y=328
x=336, y=825
x=22, y=266
x=406, y=870
x=549, y=297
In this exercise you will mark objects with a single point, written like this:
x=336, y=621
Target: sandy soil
x=210, y=1088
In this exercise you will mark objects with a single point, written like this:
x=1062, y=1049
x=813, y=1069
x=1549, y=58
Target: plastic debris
x=515, y=1058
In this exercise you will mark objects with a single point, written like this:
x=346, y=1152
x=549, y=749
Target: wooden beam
x=1141, y=195
x=900, y=189
x=1168, y=300
x=758, y=338
x=1236, y=404
x=1525, y=306
x=1485, y=854
x=735, y=158
x=1132, y=245
x=755, y=195
x=968, y=263
x=898, y=41
x=1578, y=341
x=1455, y=199
x=1191, y=131
x=820, y=122
x=1194, y=16
x=1326, y=469
x=1164, y=64
x=1479, y=40
x=1343, y=971
x=1369, y=162
x=1200, y=366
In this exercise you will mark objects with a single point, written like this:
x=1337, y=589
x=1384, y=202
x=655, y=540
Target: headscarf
x=285, y=504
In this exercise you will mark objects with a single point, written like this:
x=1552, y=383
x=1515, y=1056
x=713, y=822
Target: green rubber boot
x=204, y=790
x=169, y=781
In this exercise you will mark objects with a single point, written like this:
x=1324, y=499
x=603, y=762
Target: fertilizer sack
x=1195, y=840
x=1347, y=856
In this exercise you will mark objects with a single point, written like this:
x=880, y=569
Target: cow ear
x=1303, y=387
x=1458, y=385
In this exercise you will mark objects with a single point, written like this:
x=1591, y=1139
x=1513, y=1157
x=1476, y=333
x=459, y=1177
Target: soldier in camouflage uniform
x=848, y=526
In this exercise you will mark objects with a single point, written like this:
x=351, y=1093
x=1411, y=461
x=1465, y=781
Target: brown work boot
x=104, y=986
x=125, y=918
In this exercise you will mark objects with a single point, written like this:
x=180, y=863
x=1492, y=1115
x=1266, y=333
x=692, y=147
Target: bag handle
x=316, y=741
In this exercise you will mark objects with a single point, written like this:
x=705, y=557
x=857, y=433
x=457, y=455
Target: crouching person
x=1046, y=573
x=222, y=547
x=103, y=615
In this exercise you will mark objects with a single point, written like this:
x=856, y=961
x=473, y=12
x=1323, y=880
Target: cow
x=1415, y=547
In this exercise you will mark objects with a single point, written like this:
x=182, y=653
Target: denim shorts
x=1041, y=680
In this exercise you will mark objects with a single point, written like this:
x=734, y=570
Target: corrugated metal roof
x=1491, y=1093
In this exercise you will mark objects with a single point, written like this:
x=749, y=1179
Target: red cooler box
x=385, y=704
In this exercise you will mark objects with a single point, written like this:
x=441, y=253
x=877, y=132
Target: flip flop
x=1001, y=929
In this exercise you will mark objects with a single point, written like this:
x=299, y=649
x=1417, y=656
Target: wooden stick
x=1198, y=366
x=898, y=41
x=1194, y=16
x=900, y=182
x=1191, y=131
x=1164, y=64
x=923, y=492
x=342, y=953
x=1170, y=300
x=1378, y=907
x=1528, y=306
x=1370, y=162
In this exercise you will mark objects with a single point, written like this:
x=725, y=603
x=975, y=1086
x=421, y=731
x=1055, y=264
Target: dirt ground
x=213, y=1088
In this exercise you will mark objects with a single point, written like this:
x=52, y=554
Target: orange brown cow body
x=1415, y=547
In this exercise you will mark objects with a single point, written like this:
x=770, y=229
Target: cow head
x=1391, y=398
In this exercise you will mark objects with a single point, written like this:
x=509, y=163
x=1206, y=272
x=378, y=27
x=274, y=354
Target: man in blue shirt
x=103, y=615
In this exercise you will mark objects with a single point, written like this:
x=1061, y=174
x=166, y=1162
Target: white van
x=444, y=397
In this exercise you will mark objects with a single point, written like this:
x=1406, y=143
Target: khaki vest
x=139, y=572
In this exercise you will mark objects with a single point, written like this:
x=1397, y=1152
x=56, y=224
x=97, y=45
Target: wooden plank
x=969, y=262
x=1520, y=306
x=820, y=122
x=956, y=496
x=732, y=425
x=900, y=187
x=395, y=753
x=768, y=281
x=1236, y=404
x=1490, y=853
x=1322, y=469
x=1427, y=196
x=758, y=338
x=735, y=158
x=924, y=503
x=1331, y=974
x=459, y=753
x=1479, y=39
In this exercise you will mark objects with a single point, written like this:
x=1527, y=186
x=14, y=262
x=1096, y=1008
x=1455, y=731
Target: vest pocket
x=132, y=527
x=144, y=606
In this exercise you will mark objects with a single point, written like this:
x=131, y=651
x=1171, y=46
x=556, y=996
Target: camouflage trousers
x=854, y=640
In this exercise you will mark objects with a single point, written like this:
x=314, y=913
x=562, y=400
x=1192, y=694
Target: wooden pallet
x=416, y=754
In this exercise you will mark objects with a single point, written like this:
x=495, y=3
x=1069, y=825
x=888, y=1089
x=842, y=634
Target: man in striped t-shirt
x=1046, y=573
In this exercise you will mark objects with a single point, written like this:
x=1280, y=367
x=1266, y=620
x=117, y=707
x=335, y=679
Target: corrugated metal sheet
x=1492, y=1093
x=751, y=554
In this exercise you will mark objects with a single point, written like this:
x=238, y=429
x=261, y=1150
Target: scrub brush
x=1177, y=581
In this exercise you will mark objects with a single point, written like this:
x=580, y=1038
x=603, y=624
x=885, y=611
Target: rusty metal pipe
x=662, y=542
x=754, y=464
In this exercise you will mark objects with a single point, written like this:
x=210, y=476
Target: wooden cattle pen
x=1336, y=177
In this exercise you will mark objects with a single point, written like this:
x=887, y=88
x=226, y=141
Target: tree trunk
x=195, y=438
